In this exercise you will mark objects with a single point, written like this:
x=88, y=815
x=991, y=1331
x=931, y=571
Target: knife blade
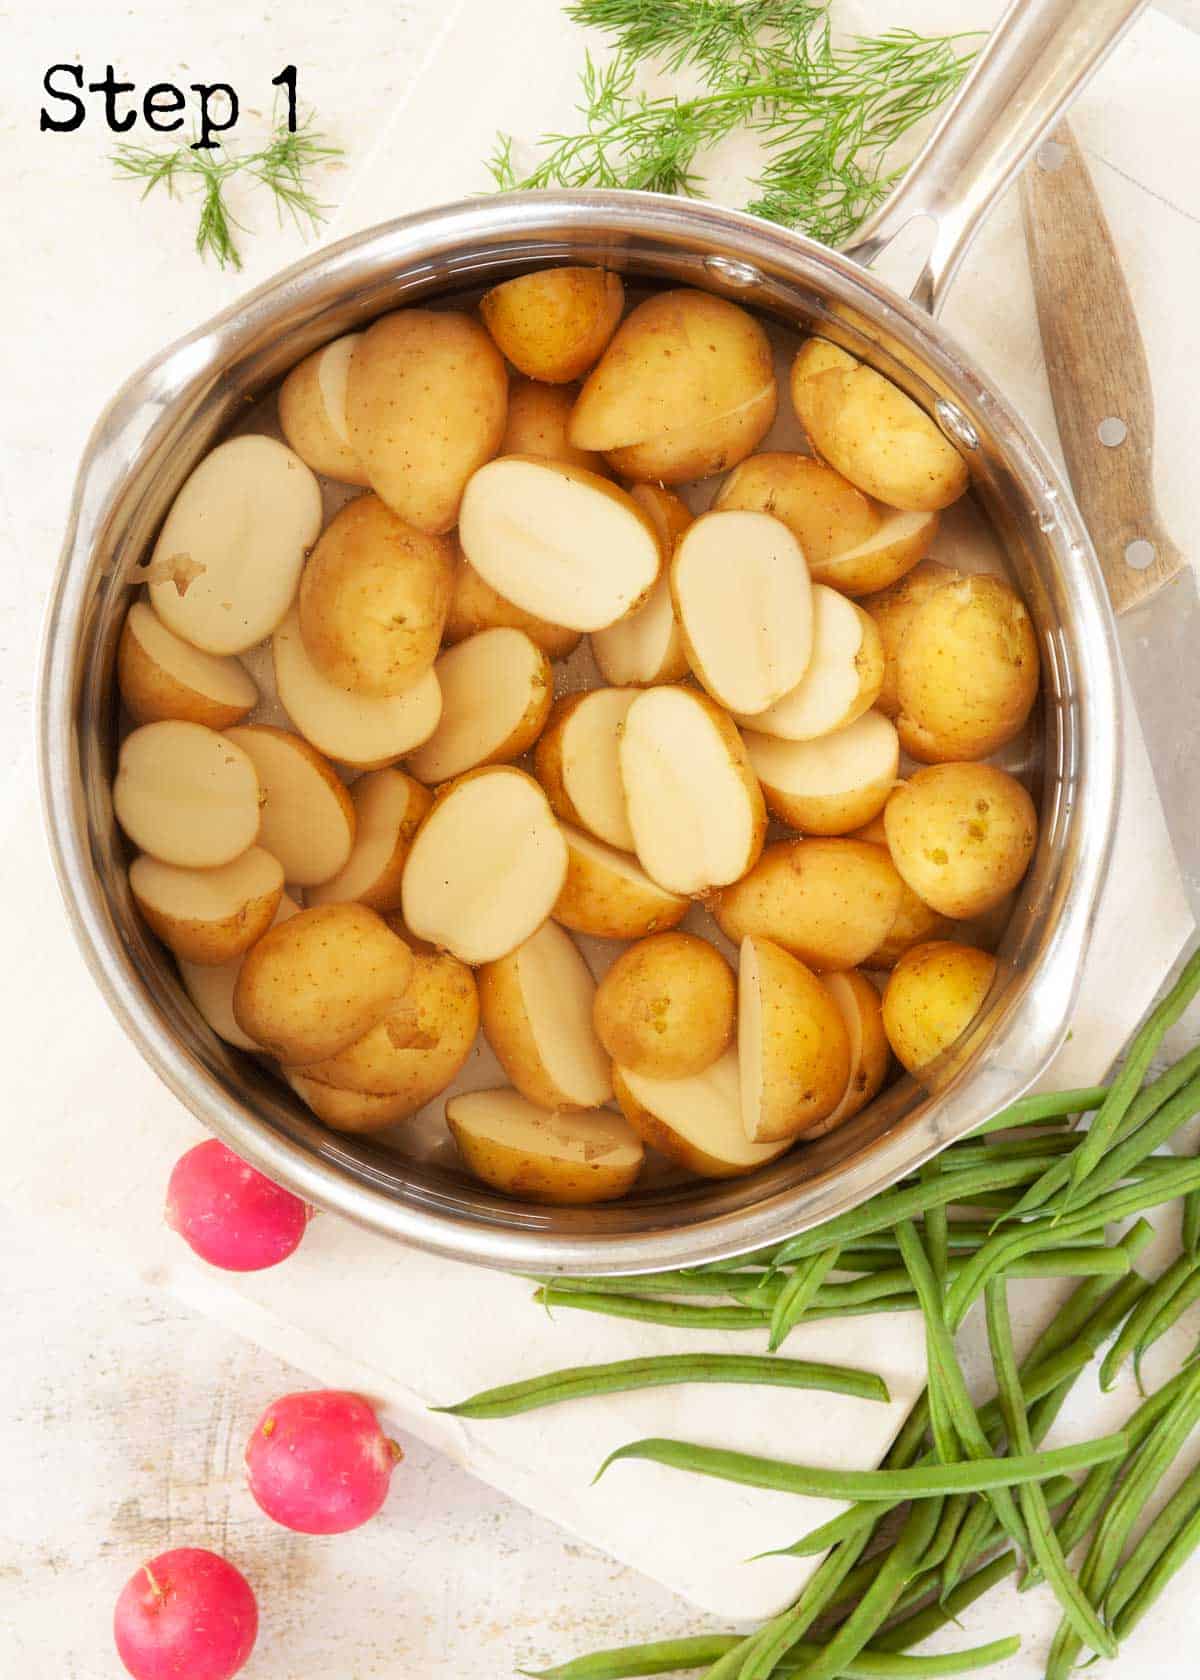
x=1104, y=405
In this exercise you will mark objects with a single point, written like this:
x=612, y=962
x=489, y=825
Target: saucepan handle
x=1038, y=57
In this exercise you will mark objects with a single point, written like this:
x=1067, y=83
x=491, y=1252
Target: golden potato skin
x=475, y=606
x=538, y=416
x=966, y=671
x=306, y=427
x=824, y=512
x=828, y=902
x=870, y=1052
x=961, y=835
x=210, y=943
x=805, y=1046
x=597, y=901
x=815, y=356
x=554, y=324
x=666, y=1006
x=878, y=438
x=893, y=610
x=373, y=599
x=934, y=993
x=530, y=1178
x=152, y=695
x=348, y=1111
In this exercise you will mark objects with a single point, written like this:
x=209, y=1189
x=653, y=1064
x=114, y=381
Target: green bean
x=925, y=1623
x=1076, y=1313
x=1087, y=1257
x=1184, y=1297
x=797, y=1296
x=672, y=1656
x=1158, y=1129
x=1175, y=1515
x=1044, y=1150
x=676, y=1313
x=1168, y=1563
x=1189, y=1232
x=1135, y=1326
x=935, y=1233
x=1043, y=1106
x=649, y=1283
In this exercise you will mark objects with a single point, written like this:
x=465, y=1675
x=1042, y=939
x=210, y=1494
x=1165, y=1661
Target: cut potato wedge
x=744, y=605
x=349, y=1111
x=877, y=437
x=475, y=606
x=608, y=894
x=833, y=784
x=933, y=994
x=389, y=807
x=880, y=560
x=211, y=986
x=695, y=1122
x=319, y=981
x=496, y=692
x=553, y=324
x=578, y=762
x=561, y=542
x=209, y=916
x=695, y=806
x=828, y=902
x=312, y=411
x=823, y=512
x=870, y=1052
x=227, y=562
x=841, y=682
x=355, y=729
x=186, y=794
x=815, y=356
x=486, y=866
x=562, y=1159
x=536, y=1005
x=892, y=612
x=308, y=817
x=538, y=416
x=646, y=647
x=666, y=1006
x=793, y=1048
x=162, y=677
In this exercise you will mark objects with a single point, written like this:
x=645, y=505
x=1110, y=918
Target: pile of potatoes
x=356, y=894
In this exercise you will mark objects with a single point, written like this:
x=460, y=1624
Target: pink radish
x=186, y=1615
x=318, y=1462
x=230, y=1214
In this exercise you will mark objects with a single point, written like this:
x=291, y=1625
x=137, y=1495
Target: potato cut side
x=696, y=1122
x=496, y=692
x=646, y=647
x=475, y=606
x=308, y=818
x=933, y=994
x=227, y=562
x=744, y=604
x=870, y=1052
x=578, y=762
x=538, y=417
x=312, y=411
x=823, y=512
x=828, y=902
x=843, y=678
x=876, y=563
x=793, y=1048
x=162, y=677
x=560, y=542
x=553, y=324
x=209, y=916
x=486, y=866
x=666, y=1006
x=355, y=729
x=892, y=612
x=186, y=794
x=695, y=806
x=608, y=894
x=389, y=807
x=211, y=986
x=833, y=784
x=563, y=1159
x=536, y=1005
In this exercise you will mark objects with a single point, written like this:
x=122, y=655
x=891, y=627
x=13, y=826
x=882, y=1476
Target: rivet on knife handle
x=1096, y=364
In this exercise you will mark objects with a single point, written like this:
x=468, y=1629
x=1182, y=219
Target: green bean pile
x=1032, y=1198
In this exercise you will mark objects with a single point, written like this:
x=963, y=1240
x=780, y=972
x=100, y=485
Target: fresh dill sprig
x=281, y=166
x=728, y=41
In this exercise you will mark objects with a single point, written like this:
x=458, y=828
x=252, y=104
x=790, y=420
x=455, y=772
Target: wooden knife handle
x=1096, y=363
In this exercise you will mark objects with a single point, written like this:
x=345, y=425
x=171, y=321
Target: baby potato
x=665, y=1007
x=793, y=1046
x=966, y=671
x=186, y=794
x=608, y=894
x=915, y=923
x=892, y=611
x=373, y=599
x=389, y=807
x=209, y=916
x=882, y=559
x=841, y=680
x=815, y=356
x=537, y=1016
x=475, y=606
x=696, y=1122
x=646, y=647
x=312, y=411
x=496, y=690
x=870, y=1052
x=538, y=416
x=685, y=389
x=308, y=816
x=349, y=1111
x=828, y=902
x=961, y=835
x=562, y=1159
x=577, y=762
x=426, y=403
x=211, y=986
x=934, y=993
x=824, y=512
x=831, y=785
x=161, y=676
x=554, y=324
x=316, y=983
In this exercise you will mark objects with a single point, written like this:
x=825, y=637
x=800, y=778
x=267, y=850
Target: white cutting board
x=99, y=1132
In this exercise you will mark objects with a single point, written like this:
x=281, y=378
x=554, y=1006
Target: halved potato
x=793, y=1049
x=694, y=803
x=209, y=916
x=486, y=866
x=319, y=981
x=578, y=762
x=308, y=817
x=842, y=679
x=561, y=542
x=426, y=402
x=933, y=994
x=665, y=1007
x=608, y=894
x=892, y=611
x=563, y=1159
x=161, y=677
x=913, y=924
x=349, y=1111
x=815, y=356
x=536, y=1005
x=186, y=794
x=823, y=512
x=389, y=807
x=496, y=692
x=744, y=605
x=373, y=599
x=538, y=416
x=227, y=562
x=878, y=562
x=646, y=647
x=312, y=411
x=961, y=835
x=830, y=785
x=475, y=606
x=870, y=1053
x=211, y=986
x=355, y=729
x=696, y=1122
x=554, y=324
x=828, y=902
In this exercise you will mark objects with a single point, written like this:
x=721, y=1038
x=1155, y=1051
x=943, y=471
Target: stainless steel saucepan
x=173, y=411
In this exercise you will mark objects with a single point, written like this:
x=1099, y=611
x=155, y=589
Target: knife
x=1104, y=405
